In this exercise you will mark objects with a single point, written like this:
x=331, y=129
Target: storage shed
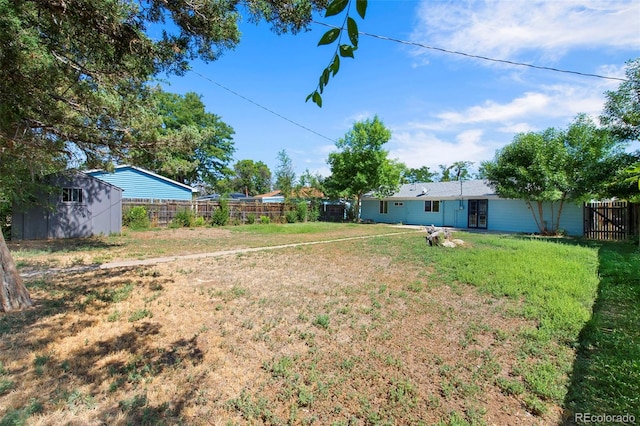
x=76, y=206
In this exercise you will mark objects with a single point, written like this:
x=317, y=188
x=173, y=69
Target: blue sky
x=440, y=107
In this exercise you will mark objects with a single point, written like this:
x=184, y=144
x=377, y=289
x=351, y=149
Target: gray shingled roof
x=443, y=190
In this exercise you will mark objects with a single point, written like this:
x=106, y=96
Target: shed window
x=432, y=206
x=384, y=207
x=72, y=195
x=398, y=203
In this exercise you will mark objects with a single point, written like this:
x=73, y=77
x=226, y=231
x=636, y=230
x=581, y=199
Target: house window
x=432, y=206
x=398, y=204
x=384, y=207
x=72, y=195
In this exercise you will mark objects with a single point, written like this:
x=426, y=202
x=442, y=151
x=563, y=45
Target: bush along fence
x=141, y=213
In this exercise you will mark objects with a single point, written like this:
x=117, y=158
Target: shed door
x=478, y=214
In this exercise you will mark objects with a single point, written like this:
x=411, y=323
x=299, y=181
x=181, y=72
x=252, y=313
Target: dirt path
x=167, y=259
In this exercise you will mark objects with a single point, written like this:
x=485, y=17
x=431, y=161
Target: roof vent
x=424, y=190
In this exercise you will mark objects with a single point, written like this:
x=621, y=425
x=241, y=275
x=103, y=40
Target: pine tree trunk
x=13, y=293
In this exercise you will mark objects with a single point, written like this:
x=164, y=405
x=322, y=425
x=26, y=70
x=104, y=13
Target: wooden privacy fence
x=611, y=220
x=332, y=212
x=162, y=212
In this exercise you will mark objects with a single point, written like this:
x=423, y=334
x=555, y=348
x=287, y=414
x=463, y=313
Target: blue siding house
x=77, y=205
x=138, y=183
x=469, y=204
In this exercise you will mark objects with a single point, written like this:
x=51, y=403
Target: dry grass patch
x=316, y=334
x=42, y=254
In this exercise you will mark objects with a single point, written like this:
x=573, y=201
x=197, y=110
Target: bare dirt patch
x=323, y=334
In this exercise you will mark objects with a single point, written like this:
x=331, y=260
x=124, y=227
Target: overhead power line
x=484, y=58
x=409, y=43
x=263, y=107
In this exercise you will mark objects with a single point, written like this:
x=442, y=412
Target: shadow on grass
x=118, y=364
x=606, y=372
x=61, y=245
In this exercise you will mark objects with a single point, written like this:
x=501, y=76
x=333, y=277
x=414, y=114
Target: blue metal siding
x=503, y=215
x=515, y=215
x=370, y=210
x=411, y=212
x=137, y=184
x=417, y=216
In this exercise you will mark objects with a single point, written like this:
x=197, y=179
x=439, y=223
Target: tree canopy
x=74, y=79
x=621, y=112
x=251, y=177
x=455, y=172
x=75, y=73
x=554, y=166
x=285, y=175
x=422, y=174
x=191, y=145
x=361, y=164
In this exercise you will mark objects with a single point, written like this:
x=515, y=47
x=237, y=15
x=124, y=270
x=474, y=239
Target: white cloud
x=476, y=131
x=359, y=116
x=614, y=71
x=529, y=104
x=504, y=29
x=325, y=149
x=517, y=128
x=552, y=103
x=417, y=149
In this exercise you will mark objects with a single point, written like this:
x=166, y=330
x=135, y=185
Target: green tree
x=251, y=178
x=310, y=180
x=423, y=174
x=524, y=170
x=555, y=166
x=74, y=77
x=285, y=175
x=310, y=183
x=594, y=158
x=193, y=146
x=456, y=172
x=622, y=112
x=362, y=165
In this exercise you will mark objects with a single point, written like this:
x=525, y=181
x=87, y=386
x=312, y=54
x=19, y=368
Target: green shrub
x=136, y=218
x=251, y=218
x=302, y=211
x=291, y=216
x=314, y=214
x=221, y=215
x=265, y=220
x=183, y=219
x=199, y=221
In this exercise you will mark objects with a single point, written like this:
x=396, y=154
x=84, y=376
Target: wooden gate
x=611, y=220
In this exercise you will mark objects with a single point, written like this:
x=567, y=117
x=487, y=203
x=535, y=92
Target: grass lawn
x=384, y=330
x=606, y=379
x=30, y=255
